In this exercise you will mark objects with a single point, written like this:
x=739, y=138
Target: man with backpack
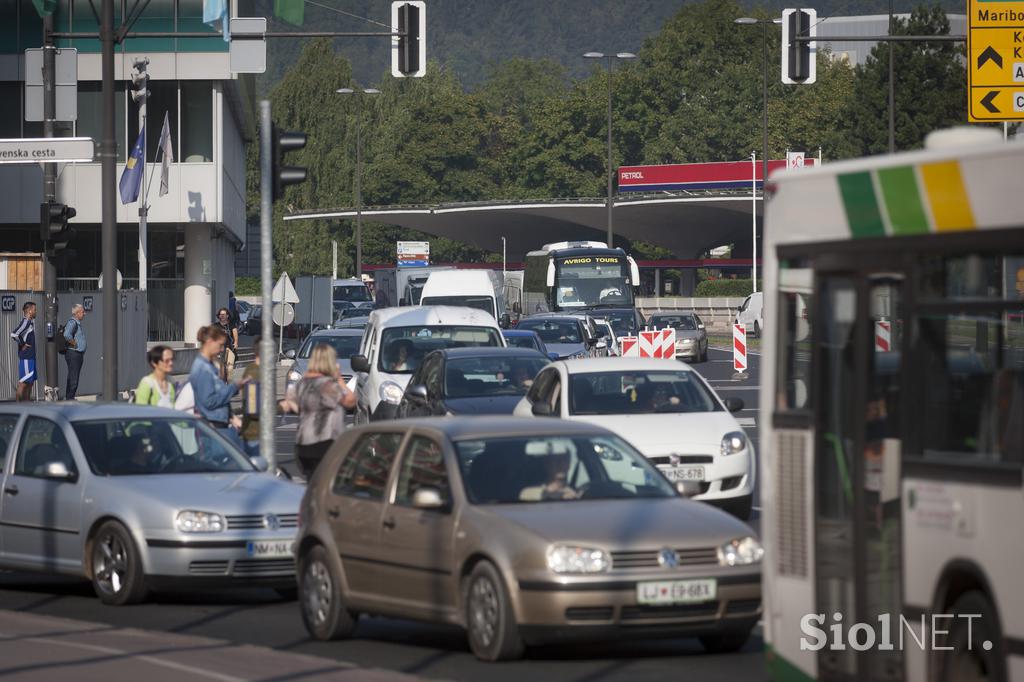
x=74, y=355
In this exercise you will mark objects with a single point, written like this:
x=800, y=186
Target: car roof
x=489, y=351
x=616, y=364
x=87, y=411
x=472, y=428
x=556, y=317
x=431, y=315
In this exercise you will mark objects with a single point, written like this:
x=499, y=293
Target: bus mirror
x=551, y=272
x=516, y=308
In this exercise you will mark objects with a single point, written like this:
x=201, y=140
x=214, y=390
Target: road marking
x=729, y=350
x=747, y=421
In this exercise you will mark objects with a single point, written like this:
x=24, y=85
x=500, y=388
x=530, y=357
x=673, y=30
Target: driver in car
x=556, y=469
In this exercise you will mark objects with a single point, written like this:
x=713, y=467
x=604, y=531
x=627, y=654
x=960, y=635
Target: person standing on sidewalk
x=25, y=335
x=212, y=394
x=74, y=336
x=227, y=323
x=156, y=388
x=322, y=398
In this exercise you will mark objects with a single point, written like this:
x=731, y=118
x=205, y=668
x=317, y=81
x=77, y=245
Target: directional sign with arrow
x=995, y=69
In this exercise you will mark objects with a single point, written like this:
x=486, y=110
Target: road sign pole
x=268, y=360
x=108, y=185
x=49, y=194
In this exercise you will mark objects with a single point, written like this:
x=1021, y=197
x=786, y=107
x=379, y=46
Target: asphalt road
x=259, y=617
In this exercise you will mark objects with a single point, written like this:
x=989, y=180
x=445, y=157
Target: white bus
x=893, y=386
x=577, y=276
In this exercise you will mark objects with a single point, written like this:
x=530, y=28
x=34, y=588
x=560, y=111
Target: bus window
x=794, y=367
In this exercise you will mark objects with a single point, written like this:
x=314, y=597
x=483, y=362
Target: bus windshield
x=589, y=281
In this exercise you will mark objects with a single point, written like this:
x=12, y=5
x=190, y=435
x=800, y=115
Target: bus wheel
x=967, y=659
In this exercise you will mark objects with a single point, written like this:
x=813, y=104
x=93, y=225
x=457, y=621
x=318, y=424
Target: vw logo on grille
x=668, y=558
x=271, y=522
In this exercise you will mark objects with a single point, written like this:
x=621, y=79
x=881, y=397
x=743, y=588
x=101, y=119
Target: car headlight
x=733, y=442
x=740, y=552
x=390, y=392
x=191, y=521
x=293, y=376
x=569, y=559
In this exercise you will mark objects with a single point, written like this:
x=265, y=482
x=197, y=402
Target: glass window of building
x=90, y=114
x=197, y=121
x=163, y=97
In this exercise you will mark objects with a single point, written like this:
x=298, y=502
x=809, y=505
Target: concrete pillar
x=687, y=281
x=199, y=265
x=657, y=283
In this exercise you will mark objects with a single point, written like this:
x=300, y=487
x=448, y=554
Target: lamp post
x=359, y=170
x=608, y=60
x=750, y=21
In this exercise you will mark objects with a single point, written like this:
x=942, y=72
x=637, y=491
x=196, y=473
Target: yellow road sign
x=995, y=60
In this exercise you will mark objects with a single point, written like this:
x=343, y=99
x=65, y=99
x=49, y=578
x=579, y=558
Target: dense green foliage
x=247, y=286
x=724, y=288
x=530, y=129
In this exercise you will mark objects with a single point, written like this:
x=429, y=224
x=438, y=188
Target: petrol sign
x=995, y=60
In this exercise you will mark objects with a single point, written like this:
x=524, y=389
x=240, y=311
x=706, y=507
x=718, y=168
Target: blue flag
x=131, y=178
x=218, y=10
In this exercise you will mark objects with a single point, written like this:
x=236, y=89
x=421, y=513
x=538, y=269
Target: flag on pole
x=217, y=10
x=167, y=149
x=292, y=11
x=131, y=178
x=45, y=7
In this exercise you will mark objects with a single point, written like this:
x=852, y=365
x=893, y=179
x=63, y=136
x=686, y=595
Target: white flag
x=167, y=147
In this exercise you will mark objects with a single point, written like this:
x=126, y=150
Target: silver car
x=137, y=498
x=691, y=336
x=344, y=341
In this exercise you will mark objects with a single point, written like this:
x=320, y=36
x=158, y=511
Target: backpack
x=62, y=343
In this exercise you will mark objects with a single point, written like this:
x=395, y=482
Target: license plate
x=663, y=592
x=684, y=473
x=268, y=549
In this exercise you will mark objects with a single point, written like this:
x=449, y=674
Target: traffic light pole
x=108, y=186
x=49, y=194
x=268, y=358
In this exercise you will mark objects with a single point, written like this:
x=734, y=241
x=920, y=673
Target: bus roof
x=950, y=189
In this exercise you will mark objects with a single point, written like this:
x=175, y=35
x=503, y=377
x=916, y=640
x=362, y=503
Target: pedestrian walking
x=227, y=323
x=212, y=394
x=156, y=388
x=233, y=307
x=25, y=336
x=322, y=398
x=251, y=403
x=74, y=337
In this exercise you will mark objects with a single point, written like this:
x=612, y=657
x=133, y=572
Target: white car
x=751, y=314
x=666, y=410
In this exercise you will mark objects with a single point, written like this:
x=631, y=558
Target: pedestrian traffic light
x=282, y=175
x=53, y=225
x=140, y=79
x=409, y=49
x=799, y=58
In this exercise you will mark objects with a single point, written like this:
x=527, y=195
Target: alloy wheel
x=110, y=563
x=483, y=610
x=317, y=592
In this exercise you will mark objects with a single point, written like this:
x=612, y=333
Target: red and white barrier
x=659, y=343
x=630, y=347
x=883, y=336
x=739, y=348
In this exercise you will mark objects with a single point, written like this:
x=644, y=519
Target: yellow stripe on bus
x=951, y=209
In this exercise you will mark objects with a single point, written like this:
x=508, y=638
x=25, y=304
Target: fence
x=166, y=298
x=718, y=314
x=131, y=340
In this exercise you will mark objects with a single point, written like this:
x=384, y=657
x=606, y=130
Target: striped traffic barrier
x=883, y=336
x=739, y=348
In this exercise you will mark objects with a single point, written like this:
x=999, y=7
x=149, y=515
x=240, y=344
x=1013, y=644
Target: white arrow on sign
x=284, y=291
x=46, y=150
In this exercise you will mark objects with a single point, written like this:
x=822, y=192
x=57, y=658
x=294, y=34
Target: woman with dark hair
x=226, y=321
x=213, y=395
x=155, y=388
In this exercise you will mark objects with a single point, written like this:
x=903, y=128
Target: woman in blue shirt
x=212, y=394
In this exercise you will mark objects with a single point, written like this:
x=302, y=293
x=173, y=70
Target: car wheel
x=740, y=507
x=757, y=330
x=323, y=612
x=490, y=623
x=960, y=663
x=117, y=576
x=725, y=643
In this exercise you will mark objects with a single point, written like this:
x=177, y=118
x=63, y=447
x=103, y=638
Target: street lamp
x=359, y=170
x=608, y=59
x=750, y=21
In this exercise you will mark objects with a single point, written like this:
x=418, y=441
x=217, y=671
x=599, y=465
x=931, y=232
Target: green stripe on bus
x=903, y=200
x=781, y=670
x=861, y=205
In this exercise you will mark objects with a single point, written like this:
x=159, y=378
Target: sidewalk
x=43, y=648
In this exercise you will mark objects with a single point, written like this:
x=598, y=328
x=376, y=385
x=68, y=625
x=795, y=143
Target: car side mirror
x=360, y=363
x=505, y=322
x=260, y=462
x=590, y=342
x=290, y=354
x=601, y=345
x=688, y=488
x=553, y=356
x=417, y=393
x=428, y=498
x=734, y=404
x=59, y=471
x=542, y=409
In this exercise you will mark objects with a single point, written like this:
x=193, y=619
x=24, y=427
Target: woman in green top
x=155, y=388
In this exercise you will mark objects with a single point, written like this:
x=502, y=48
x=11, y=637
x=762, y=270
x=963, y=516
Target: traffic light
x=53, y=225
x=409, y=50
x=282, y=175
x=140, y=79
x=799, y=58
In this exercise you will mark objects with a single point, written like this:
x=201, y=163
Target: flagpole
x=144, y=206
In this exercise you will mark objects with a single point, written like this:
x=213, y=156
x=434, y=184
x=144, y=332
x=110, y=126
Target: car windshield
x=344, y=346
x=484, y=303
x=353, y=293
x=553, y=331
x=556, y=468
x=622, y=321
x=682, y=322
x=524, y=341
x=639, y=392
x=403, y=348
x=141, y=447
x=486, y=376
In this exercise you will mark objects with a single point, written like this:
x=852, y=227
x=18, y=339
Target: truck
x=481, y=289
x=403, y=286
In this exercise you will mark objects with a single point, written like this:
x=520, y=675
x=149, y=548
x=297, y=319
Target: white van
x=480, y=289
x=395, y=342
x=751, y=314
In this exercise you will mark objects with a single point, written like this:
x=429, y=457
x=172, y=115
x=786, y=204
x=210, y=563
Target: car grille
x=252, y=521
x=683, y=459
x=743, y=606
x=648, y=558
x=208, y=567
x=589, y=613
x=255, y=567
x=705, y=610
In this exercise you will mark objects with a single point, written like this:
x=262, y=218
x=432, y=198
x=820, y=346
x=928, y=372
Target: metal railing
x=716, y=313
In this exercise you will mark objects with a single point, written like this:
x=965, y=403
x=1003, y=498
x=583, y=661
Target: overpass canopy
x=687, y=224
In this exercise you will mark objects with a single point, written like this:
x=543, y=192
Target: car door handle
x=11, y=490
x=388, y=523
x=334, y=513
